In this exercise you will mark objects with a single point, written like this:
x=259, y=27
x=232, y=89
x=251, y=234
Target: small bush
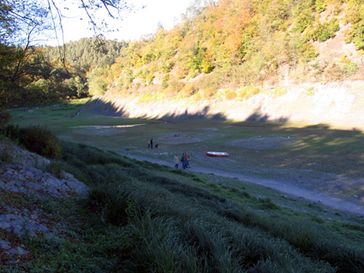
x=310, y=91
x=279, y=91
x=351, y=68
x=207, y=92
x=326, y=31
x=230, y=94
x=41, y=141
x=248, y=92
x=188, y=90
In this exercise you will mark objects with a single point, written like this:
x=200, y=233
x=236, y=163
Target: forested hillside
x=234, y=43
x=35, y=75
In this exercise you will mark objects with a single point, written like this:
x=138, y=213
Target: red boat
x=217, y=154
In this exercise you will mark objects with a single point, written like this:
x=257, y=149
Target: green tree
x=98, y=81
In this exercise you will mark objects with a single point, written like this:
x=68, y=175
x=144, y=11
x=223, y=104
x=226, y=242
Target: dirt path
x=326, y=200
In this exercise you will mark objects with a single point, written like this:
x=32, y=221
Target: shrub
x=188, y=90
x=326, y=31
x=4, y=118
x=248, y=91
x=207, y=92
x=320, y=5
x=279, y=91
x=351, y=68
x=230, y=94
x=310, y=91
x=41, y=141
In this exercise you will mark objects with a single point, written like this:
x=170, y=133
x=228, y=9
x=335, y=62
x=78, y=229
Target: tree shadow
x=200, y=115
x=101, y=107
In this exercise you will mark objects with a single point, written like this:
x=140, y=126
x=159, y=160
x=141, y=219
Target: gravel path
x=326, y=200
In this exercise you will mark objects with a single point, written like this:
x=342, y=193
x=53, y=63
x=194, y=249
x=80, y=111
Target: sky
x=144, y=19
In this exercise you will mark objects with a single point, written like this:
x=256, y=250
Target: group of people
x=151, y=145
x=185, y=161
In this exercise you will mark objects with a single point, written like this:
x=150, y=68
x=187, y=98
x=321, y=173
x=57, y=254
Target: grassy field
x=142, y=217
x=315, y=157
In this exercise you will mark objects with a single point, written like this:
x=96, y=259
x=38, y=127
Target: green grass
x=142, y=217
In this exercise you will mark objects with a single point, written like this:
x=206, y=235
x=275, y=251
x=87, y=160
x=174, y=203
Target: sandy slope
x=338, y=104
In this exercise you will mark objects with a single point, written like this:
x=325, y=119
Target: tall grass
x=172, y=226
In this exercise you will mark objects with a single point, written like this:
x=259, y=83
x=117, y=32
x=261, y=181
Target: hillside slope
x=141, y=217
x=231, y=54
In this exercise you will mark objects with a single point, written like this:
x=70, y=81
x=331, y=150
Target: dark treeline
x=32, y=75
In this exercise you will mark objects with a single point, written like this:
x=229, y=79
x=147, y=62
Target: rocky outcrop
x=24, y=176
x=21, y=156
x=19, y=178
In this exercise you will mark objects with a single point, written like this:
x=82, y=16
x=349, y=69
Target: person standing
x=176, y=161
x=187, y=161
x=151, y=143
x=183, y=160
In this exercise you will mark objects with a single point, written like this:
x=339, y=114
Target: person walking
x=183, y=160
x=176, y=161
x=187, y=161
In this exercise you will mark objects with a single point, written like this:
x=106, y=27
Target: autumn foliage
x=235, y=43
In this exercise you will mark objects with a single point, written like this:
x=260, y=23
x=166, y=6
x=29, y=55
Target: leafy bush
x=279, y=91
x=248, y=91
x=320, y=5
x=326, y=31
x=41, y=141
x=230, y=94
x=310, y=91
x=351, y=68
